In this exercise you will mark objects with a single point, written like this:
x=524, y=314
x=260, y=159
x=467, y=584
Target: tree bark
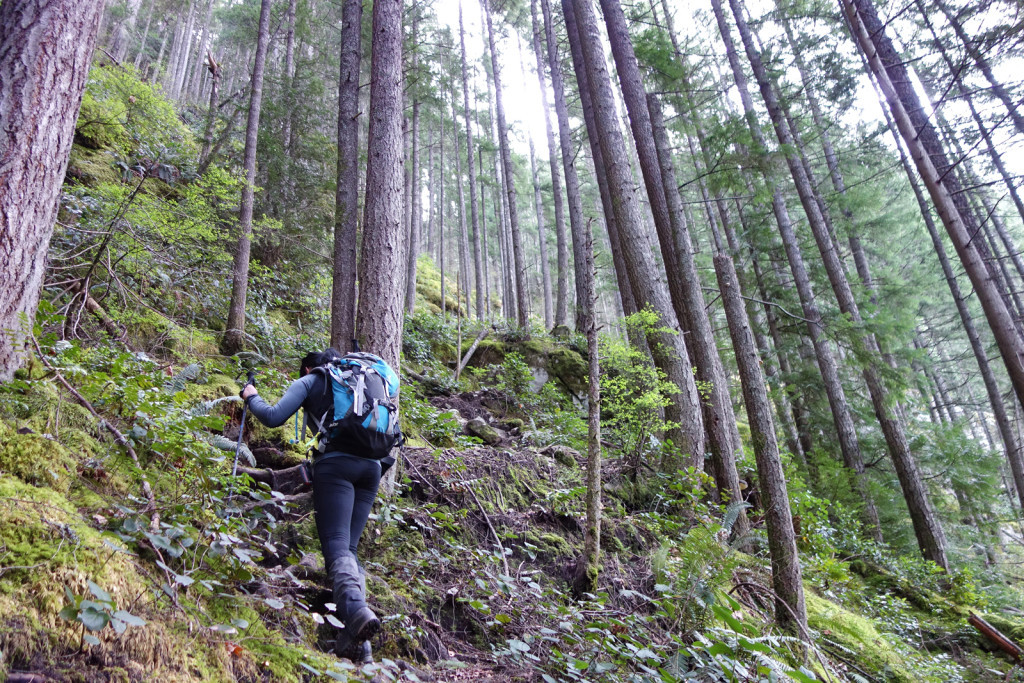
x=474, y=209
x=592, y=537
x=379, y=317
x=667, y=345
x=234, y=335
x=45, y=49
x=927, y=527
x=572, y=183
x=515, y=237
x=346, y=198
x=211, y=114
x=790, y=609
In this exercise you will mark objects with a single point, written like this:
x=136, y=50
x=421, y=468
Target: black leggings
x=344, y=487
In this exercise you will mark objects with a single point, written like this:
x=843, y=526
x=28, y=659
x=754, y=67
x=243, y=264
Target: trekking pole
x=251, y=379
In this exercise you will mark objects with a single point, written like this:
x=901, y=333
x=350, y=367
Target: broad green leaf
x=129, y=618
x=274, y=603
x=99, y=593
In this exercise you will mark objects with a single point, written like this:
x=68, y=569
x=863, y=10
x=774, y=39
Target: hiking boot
x=363, y=624
x=357, y=651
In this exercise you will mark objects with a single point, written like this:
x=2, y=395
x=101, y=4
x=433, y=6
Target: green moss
x=570, y=367
x=91, y=166
x=216, y=386
x=858, y=635
x=35, y=459
x=489, y=352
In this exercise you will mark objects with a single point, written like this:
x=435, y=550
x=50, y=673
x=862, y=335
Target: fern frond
x=226, y=444
x=188, y=374
x=206, y=407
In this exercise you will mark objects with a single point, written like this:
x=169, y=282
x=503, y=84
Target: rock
x=485, y=432
x=563, y=455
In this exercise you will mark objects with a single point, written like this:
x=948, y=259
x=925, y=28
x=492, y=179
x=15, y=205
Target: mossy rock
x=858, y=635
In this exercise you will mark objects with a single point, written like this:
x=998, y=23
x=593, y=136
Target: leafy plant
x=96, y=613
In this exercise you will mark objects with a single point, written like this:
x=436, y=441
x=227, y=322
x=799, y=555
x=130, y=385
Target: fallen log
x=469, y=354
x=989, y=631
x=288, y=481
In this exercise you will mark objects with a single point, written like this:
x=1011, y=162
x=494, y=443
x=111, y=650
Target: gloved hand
x=249, y=390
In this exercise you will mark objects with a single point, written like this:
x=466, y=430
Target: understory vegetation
x=129, y=551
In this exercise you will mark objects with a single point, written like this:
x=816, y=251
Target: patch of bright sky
x=521, y=90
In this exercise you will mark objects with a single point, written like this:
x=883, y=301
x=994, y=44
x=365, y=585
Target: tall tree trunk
x=515, y=237
x=929, y=156
x=826, y=361
x=346, y=199
x=1011, y=445
x=997, y=88
x=287, y=132
x=144, y=37
x=379, y=316
x=592, y=538
x=192, y=90
x=415, y=221
x=45, y=49
x=234, y=335
x=719, y=418
x=430, y=196
x=545, y=269
x=562, y=252
x=568, y=156
x=927, y=527
x=677, y=253
x=185, y=53
x=440, y=227
x=211, y=114
x=790, y=608
x=463, y=237
x=474, y=210
x=667, y=346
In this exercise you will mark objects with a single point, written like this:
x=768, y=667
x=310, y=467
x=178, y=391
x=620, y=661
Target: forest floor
x=472, y=559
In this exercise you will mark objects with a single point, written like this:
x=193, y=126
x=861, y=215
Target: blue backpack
x=365, y=418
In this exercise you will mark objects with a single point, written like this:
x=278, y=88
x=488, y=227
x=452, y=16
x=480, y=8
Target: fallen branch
x=114, y=431
x=992, y=633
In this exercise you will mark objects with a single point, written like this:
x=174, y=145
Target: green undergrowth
x=475, y=557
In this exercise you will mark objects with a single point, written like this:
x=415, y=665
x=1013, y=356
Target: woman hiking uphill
x=345, y=481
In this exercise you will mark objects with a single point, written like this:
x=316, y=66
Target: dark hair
x=315, y=359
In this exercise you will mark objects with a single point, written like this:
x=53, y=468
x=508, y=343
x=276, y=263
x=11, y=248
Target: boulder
x=563, y=455
x=485, y=432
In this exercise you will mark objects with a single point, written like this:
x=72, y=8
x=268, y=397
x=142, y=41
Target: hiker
x=344, y=488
